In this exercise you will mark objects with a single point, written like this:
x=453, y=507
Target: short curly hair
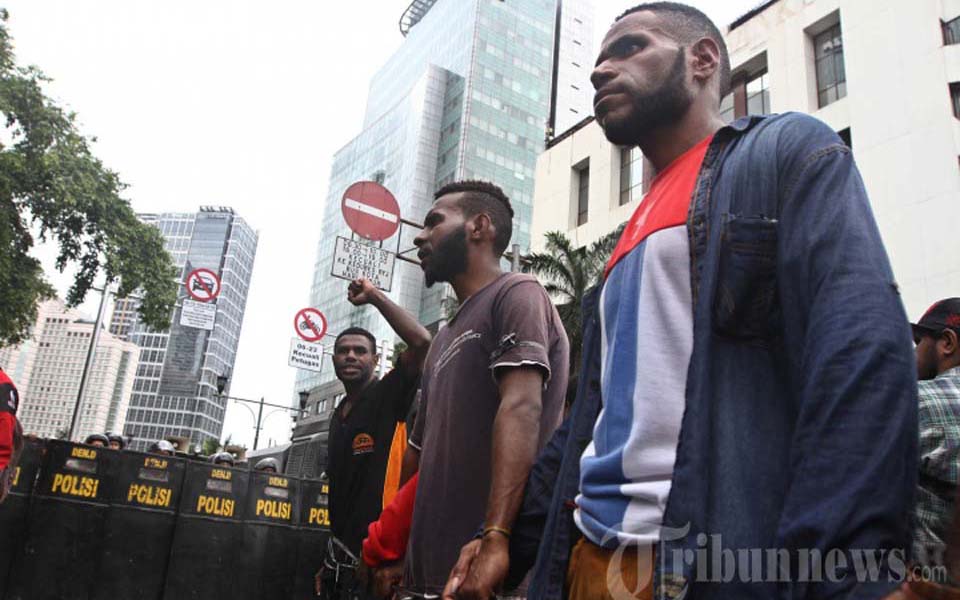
x=689, y=23
x=484, y=197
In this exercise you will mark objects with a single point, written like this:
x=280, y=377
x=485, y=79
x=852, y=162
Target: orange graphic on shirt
x=362, y=444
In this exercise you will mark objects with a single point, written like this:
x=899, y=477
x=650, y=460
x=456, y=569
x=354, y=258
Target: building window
x=955, y=96
x=758, y=95
x=951, y=31
x=727, y=109
x=583, y=193
x=631, y=175
x=831, y=75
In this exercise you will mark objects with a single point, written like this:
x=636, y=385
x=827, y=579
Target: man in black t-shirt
x=368, y=430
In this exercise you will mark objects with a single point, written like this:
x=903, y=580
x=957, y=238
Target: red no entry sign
x=203, y=285
x=310, y=324
x=370, y=210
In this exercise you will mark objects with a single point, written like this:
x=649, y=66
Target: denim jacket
x=799, y=434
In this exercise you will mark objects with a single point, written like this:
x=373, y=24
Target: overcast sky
x=235, y=103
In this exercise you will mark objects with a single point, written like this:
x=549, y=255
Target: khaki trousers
x=597, y=573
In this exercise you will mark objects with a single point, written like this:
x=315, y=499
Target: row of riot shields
x=92, y=523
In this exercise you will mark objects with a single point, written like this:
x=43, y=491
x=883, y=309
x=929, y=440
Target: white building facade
x=48, y=367
x=574, y=62
x=884, y=74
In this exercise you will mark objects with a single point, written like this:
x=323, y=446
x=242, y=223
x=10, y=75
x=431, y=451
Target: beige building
x=47, y=370
x=885, y=74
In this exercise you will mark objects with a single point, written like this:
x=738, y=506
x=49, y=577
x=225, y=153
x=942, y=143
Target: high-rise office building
x=48, y=366
x=175, y=390
x=468, y=95
x=574, y=63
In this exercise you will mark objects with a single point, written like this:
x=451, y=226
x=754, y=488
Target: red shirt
x=9, y=401
x=656, y=211
x=388, y=536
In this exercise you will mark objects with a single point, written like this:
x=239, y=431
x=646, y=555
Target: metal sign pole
x=88, y=363
x=256, y=435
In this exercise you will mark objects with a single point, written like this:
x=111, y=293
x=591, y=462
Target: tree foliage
x=568, y=272
x=210, y=447
x=51, y=183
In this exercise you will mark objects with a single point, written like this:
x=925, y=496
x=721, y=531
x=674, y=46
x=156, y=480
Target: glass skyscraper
x=468, y=95
x=175, y=389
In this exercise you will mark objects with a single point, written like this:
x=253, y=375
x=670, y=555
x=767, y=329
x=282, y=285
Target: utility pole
x=88, y=364
x=515, y=259
x=256, y=435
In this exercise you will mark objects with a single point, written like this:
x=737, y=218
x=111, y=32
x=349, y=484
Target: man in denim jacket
x=746, y=417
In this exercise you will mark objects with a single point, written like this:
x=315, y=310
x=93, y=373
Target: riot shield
x=138, y=532
x=65, y=526
x=13, y=511
x=312, y=533
x=269, y=548
x=208, y=534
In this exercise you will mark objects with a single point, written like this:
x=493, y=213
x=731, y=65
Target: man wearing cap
x=937, y=335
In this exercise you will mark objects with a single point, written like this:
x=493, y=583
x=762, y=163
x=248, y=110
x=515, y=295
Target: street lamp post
x=222, y=384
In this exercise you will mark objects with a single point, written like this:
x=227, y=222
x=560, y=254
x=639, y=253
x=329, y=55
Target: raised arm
x=415, y=335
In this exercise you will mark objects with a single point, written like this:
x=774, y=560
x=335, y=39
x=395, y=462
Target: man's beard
x=664, y=106
x=447, y=260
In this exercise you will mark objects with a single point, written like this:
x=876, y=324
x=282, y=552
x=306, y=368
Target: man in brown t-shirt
x=492, y=389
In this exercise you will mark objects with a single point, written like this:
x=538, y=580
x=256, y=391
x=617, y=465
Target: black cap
x=945, y=314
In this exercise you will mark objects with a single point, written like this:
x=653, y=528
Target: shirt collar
x=954, y=372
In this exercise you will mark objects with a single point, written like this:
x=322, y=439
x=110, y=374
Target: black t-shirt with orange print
x=364, y=454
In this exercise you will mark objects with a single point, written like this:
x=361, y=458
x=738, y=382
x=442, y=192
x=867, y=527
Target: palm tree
x=567, y=273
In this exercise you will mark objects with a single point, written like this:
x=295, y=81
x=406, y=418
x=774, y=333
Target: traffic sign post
x=310, y=324
x=370, y=210
x=305, y=355
x=353, y=260
x=198, y=315
x=203, y=285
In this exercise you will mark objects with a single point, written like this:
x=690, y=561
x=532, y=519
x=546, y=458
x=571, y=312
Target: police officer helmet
x=268, y=464
x=162, y=447
x=222, y=458
x=117, y=439
x=97, y=439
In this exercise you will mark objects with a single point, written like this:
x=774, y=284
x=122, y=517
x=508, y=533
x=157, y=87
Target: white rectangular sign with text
x=353, y=259
x=199, y=315
x=305, y=355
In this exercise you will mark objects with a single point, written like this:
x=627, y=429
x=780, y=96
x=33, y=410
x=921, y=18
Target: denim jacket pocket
x=746, y=306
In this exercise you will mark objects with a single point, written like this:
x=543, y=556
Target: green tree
x=210, y=446
x=567, y=273
x=51, y=183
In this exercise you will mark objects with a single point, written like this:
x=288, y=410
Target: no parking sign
x=203, y=285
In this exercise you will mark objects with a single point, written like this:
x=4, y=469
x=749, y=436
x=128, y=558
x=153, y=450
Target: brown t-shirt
x=509, y=323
